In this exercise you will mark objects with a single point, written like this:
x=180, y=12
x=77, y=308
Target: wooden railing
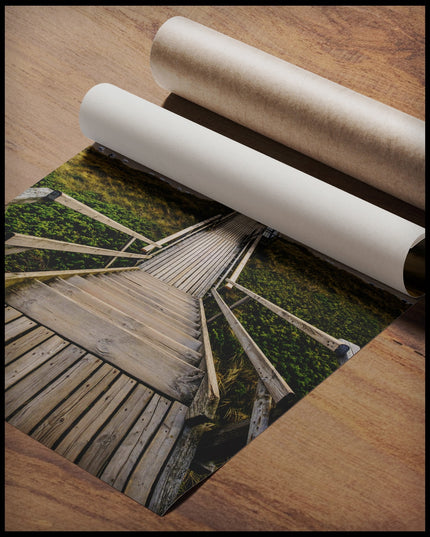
x=16, y=242
x=342, y=348
x=275, y=384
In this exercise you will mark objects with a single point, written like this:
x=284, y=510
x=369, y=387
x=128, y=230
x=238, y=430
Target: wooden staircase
x=112, y=367
x=108, y=370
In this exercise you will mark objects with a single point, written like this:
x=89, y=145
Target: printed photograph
x=151, y=333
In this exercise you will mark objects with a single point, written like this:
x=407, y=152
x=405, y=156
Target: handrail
x=32, y=195
x=245, y=258
x=12, y=278
x=328, y=341
x=275, y=384
x=17, y=242
x=342, y=348
x=206, y=401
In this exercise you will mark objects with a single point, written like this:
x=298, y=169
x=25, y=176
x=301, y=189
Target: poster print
x=151, y=333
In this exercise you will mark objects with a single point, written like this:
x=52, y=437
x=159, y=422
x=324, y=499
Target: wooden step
x=176, y=314
x=32, y=359
x=171, y=376
x=170, y=262
x=135, y=301
x=24, y=390
x=194, y=265
x=10, y=314
x=80, y=434
x=110, y=436
x=54, y=391
x=119, y=468
x=121, y=319
x=57, y=414
x=204, y=273
x=26, y=342
x=125, y=305
x=144, y=278
x=17, y=328
x=162, y=296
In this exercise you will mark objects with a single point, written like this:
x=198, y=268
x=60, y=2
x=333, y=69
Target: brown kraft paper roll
x=357, y=135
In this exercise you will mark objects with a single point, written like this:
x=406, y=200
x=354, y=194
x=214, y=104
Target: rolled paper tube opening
x=414, y=271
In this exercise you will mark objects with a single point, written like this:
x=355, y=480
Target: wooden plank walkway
x=89, y=411
x=107, y=371
x=114, y=369
x=195, y=263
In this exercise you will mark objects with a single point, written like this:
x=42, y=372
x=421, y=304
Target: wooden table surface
x=350, y=455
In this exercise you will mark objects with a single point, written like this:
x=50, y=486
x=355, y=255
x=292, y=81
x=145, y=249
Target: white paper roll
x=332, y=124
x=337, y=224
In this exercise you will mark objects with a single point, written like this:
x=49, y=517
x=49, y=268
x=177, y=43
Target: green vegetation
x=290, y=276
x=285, y=273
x=135, y=199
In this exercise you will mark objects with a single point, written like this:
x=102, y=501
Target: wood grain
x=350, y=455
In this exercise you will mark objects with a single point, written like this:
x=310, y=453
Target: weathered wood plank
x=191, y=246
x=206, y=278
x=148, y=467
x=12, y=278
x=79, y=207
x=31, y=360
x=328, y=341
x=122, y=303
x=17, y=327
x=137, y=304
x=245, y=259
x=127, y=322
x=273, y=381
x=260, y=412
x=29, y=242
x=26, y=342
x=160, y=296
x=206, y=400
x=187, y=242
x=82, y=432
x=111, y=435
x=176, y=316
x=134, y=444
x=11, y=314
x=171, y=262
x=24, y=390
x=185, y=267
x=171, y=376
x=209, y=261
x=57, y=422
x=39, y=406
x=218, y=273
x=145, y=279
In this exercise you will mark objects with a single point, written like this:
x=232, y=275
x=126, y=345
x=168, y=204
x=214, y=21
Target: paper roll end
x=414, y=270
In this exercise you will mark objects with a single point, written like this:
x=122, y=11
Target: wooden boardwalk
x=106, y=370
x=114, y=370
x=195, y=264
